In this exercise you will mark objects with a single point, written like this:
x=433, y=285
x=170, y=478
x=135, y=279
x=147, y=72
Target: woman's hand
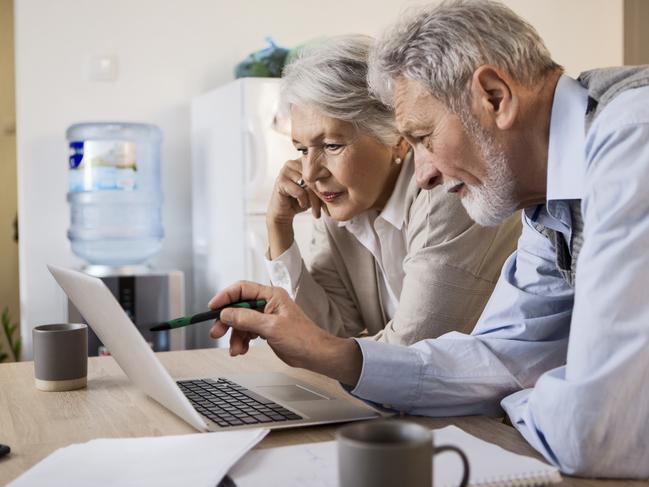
x=290, y=197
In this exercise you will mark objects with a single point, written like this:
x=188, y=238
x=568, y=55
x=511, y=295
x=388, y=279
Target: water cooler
x=148, y=297
x=115, y=225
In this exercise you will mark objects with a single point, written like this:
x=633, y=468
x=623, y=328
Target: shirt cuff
x=385, y=365
x=517, y=407
x=285, y=270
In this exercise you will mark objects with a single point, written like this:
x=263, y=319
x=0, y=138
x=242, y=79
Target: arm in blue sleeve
x=522, y=333
x=591, y=417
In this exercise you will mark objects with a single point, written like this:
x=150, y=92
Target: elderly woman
x=389, y=260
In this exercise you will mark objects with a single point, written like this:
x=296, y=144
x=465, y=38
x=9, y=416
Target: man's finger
x=240, y=291
x=219, y=329
x=238, y=342
x=248, y=320
x=246, y=343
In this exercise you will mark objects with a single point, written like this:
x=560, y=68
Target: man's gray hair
x=442, y=45
x=331, y=76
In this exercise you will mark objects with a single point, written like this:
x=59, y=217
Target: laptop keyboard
x=230, y=404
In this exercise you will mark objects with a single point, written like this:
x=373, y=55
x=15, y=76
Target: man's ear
x=493, y=96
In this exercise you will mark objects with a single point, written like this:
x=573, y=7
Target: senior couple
x=474, y=112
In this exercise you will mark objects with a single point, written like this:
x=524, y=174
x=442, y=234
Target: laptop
x=268, y=400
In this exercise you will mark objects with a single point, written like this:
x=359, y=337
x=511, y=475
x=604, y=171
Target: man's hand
x=290, y=333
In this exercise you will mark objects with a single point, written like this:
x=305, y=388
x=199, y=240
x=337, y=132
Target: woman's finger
x=315, y=203
x=293, y=191
x=293, y=174
x=291, y=184
x=290, y=187
x=295, y=164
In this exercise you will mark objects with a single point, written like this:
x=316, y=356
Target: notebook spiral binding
x=530, y=479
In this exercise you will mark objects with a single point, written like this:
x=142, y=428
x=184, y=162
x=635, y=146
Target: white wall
x=168, y=52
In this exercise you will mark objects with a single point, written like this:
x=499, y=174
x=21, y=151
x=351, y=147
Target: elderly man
x=563, y=344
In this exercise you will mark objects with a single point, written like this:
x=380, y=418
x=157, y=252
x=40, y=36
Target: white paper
x=490, y=464
x=200, y=459
x=316, y=465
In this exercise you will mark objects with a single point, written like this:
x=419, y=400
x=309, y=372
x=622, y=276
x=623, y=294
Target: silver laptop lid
x=114, y=328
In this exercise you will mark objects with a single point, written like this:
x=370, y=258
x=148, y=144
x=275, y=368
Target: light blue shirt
x=569, y=366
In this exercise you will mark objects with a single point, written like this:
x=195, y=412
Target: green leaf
x=9, y=330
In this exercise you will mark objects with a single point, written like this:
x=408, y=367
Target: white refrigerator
x=238, y=145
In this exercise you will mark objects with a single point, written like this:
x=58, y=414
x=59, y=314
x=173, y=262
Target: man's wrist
x=341, y=359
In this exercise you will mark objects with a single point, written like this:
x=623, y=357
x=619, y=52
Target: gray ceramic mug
x=388, y=454
x=60, y=356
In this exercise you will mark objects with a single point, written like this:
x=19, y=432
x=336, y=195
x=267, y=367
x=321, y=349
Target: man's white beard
x=493, y=202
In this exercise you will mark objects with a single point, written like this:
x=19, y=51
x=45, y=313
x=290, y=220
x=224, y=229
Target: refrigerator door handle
x=254, y=149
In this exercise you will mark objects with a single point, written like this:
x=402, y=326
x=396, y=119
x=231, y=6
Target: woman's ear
x=400, y=149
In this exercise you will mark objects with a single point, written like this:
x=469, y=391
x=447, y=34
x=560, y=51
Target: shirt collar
x=566, y=160
x=394, y=211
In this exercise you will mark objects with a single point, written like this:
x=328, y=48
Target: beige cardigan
x=451, y=267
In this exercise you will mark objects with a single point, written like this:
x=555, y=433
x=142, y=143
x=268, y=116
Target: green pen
x=214, y=314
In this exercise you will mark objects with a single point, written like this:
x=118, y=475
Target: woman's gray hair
x=442, y=45
x=331, y=76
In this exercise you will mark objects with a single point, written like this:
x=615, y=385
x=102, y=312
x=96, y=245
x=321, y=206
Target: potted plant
x=14, y=344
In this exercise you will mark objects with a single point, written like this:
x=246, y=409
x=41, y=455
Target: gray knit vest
x=603, y=85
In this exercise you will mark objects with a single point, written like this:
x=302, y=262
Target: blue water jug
x=114, y=192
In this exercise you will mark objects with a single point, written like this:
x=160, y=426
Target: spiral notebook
x=316, y=465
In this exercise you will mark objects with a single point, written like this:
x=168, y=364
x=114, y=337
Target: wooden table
x=36, y=423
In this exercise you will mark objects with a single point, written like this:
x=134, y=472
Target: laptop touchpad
x=289, y=393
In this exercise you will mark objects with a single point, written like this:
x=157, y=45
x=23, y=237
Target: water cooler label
x=103, y=165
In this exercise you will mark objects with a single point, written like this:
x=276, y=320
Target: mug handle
x=465, y=461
